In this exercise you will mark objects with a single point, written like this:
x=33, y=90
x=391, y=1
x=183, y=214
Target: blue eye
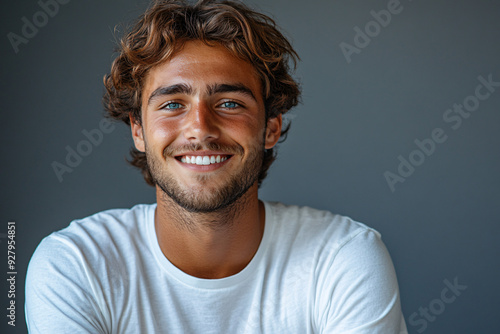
x=172, y=105
x=230, y=105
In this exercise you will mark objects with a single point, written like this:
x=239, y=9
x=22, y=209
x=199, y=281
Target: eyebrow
x=230, y=88
x=211, y=90
x=170, y=90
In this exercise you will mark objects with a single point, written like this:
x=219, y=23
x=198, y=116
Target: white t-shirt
x=314, y=272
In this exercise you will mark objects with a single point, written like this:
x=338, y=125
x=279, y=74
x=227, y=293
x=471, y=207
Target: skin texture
x=205, y=101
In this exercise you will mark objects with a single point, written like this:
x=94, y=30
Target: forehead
x=199, y=65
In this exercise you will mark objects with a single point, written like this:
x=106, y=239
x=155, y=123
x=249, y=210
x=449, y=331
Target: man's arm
x=358, y=292
x=59, y=295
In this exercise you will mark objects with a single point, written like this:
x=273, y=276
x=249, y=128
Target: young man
x=203, y=88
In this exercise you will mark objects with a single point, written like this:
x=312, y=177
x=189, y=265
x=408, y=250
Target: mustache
x=172, y=151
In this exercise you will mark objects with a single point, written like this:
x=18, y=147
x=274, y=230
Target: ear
x=273, y=131
x=137, y=134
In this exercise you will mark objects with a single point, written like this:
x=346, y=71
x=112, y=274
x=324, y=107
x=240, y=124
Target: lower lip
x=203, y=168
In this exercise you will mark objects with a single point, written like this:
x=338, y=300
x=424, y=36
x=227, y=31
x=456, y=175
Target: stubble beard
x=205, y=199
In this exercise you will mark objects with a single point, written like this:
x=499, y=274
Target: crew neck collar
x=204, y=283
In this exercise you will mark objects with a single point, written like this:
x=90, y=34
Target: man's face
x=203, y=127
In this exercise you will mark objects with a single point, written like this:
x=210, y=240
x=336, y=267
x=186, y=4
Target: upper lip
x=202, y=153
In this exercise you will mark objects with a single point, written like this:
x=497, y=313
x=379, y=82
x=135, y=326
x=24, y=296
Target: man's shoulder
x=316, y=222
x=101, y=227
x=106, y=239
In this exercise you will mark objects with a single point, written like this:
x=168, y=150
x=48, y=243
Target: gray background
x=356, y=118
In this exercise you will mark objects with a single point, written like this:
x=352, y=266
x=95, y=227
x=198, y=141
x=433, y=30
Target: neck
x=210, y=245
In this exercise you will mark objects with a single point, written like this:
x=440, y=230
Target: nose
x=200, y=124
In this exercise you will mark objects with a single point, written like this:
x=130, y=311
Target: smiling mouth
x=202, y=160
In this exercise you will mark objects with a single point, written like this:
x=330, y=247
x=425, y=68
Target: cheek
x=161, y=133
x=248, y=135
x=246, y=127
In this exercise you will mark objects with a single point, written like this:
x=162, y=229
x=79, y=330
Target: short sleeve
x=59, y=293
x=358, y=290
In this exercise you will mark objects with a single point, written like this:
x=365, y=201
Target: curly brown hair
x=167, y=25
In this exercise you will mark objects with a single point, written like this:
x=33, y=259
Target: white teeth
x=203, y=160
